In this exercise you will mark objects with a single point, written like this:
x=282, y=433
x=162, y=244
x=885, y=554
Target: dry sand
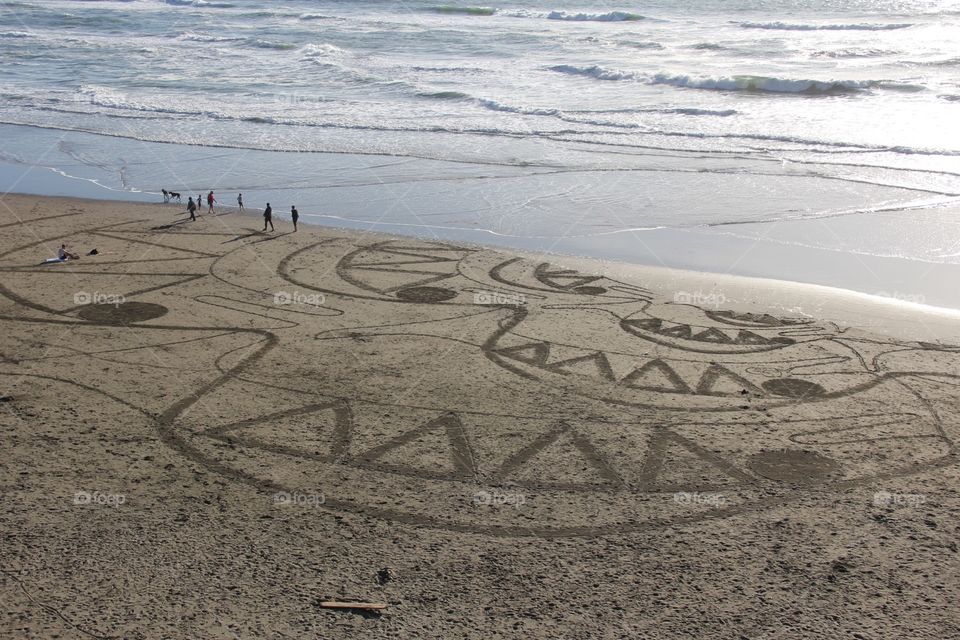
x=208, y=431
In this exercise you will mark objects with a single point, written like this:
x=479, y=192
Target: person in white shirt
x=63, y=254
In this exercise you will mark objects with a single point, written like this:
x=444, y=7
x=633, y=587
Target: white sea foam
x=854, y=52
x=761, y=84
x=470, y=11
x=612, y=16
x=493, y=105
x=784, y=26
x=594, y=71
x=322, y=50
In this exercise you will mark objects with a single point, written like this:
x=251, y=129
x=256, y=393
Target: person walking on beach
x=210, y=201
x=192, y=208
x=295, y=215
x=240, y=200
x=268, y=217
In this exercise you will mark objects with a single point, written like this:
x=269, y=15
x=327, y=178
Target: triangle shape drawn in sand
x=438, y=449
x=560, y=458
x=656, y=375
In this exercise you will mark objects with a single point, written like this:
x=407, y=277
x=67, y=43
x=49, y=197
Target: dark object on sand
x=368, y=606
x=93, y=252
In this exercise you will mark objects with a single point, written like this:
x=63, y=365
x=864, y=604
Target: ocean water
x=590, y=128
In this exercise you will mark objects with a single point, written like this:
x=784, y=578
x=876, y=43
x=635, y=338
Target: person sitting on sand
x=192, y=208
x=295, y=215
x=210, y=201
x=268, y=217
x=63, y=254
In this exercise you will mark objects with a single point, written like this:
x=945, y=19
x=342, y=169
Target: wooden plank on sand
x=353, y=605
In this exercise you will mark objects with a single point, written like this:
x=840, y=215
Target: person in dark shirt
x=268, y=217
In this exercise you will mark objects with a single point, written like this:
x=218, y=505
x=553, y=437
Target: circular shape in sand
x=793, y=465
x=426, y=295
x=793, y=388
x=122, y=313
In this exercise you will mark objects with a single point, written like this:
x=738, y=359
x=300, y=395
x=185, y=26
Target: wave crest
x=270, y=44
x=470, y=11
x=445, y=95
x=595, y=71
x=612, y=16
x=854, y=53
x=758, y=84
x=322, y=50
x=761, y=84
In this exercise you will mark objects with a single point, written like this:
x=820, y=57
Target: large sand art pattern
x=411, y=380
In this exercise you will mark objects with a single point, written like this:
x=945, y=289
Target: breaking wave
x=470, y=11
x=594, y=71
x=323, y=50
x=759, y=84
x=612, y=16
x=854, y=53
x=269, y=44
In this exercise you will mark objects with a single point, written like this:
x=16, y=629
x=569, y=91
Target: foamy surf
x=748, y=83
x=612, y=16
x=786, y=26
x=818, y=100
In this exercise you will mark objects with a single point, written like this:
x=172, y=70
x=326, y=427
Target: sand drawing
x=404, y=376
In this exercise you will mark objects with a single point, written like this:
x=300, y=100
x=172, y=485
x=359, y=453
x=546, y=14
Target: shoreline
x=886, y=316
x=818, y=251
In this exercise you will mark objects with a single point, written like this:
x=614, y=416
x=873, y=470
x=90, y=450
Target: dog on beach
x=169, y=195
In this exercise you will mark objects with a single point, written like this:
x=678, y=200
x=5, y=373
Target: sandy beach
x=209, y=431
